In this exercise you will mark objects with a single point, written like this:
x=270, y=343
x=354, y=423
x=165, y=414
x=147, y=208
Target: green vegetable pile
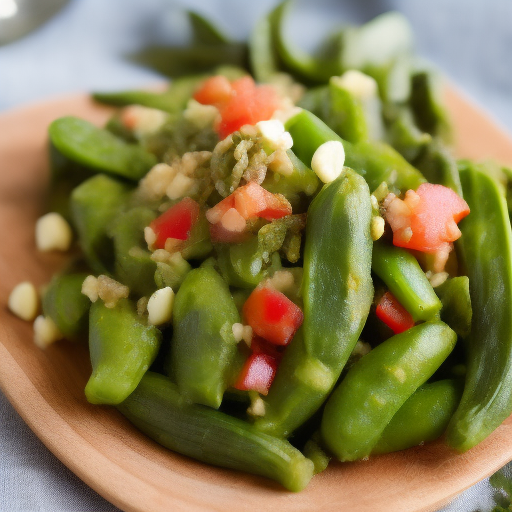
x=346, y=385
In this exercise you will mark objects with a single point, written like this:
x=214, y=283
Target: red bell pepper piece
x=393, y=314
x=272, y=315
x=257, y=374
x=176, y=222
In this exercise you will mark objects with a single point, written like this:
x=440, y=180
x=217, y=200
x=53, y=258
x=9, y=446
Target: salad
x=277, y=267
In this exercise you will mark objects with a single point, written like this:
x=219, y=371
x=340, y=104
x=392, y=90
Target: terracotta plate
x=128, y=469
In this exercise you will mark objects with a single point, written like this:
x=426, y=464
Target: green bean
x=204, y=358
x=382, y=48
x=376, y=162
x=377, y=386
x=262, y=50
x=422, y=418
x=133, y=265
x=157, y=408
x=486, y=254
x=94, y=204
x=172, y=272
x=99, y=149
x=65, y=304
x=315, y=69
x=337, y=278
x=404, y=277
x=439, y=166
x=456, y=311
x=122, y=348
x=425, y=100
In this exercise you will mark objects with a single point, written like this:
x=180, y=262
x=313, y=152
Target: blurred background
x=52, y=47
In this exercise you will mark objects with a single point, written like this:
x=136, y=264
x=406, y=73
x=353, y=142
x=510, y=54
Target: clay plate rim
x=124, y=466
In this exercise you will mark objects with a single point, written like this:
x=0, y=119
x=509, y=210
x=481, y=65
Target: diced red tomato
x=215, y=91
x=240, y=102
x=426, y=220
x=272, y=315
x=393, y=314
x=252, y=200
x=176, y=222
x=257, y=374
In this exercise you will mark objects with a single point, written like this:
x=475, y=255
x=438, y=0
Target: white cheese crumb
x=233, y=221
x=150, y=237
x=53, y=233
x=438, y=278
x=90, y=288
x=238, y=331
x=377, y=227
x=257, y=407
x=45, y=332
x=281, y=163
x=143, y=120
x=24, y=301
x=274, y=135
x=179, y=187
x=160, y=306
x=110, y=291
x=358, y=84
x=328, y=160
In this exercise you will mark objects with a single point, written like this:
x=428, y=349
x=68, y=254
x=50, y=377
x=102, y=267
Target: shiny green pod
x=122, y=348
x=157, y=409
x=204, y=358
x=375, y=161
x=485, y=249
x=99, y=149
x=94, y=204
x=423, y=417
x=405, y=279
x=377, y=385
x=65, y=304
x=337, y=292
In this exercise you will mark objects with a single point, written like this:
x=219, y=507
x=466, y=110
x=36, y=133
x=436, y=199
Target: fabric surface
x=84, y=48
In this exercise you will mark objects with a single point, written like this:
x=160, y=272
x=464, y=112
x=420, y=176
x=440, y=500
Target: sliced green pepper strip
x=485, y=249
x=204, y=357
x=439, y=166
x=337, y=293
x=65, y=304
x=315, y=69
x=99, y=149
x=133, y=264
x=426, y=102
x=211, y=436
x=377, y=386
x=381, y=48
x=263, y=56
x=456, y=311
x=376, y=162
x=122, y=348
x=204, y=32
x=423, y=417
x=404, y=277
x=94, y=204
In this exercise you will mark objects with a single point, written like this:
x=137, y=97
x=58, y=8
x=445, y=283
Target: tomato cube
x=257, y=374
x=393, y=314
x=272, y=315
x=176, y=222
